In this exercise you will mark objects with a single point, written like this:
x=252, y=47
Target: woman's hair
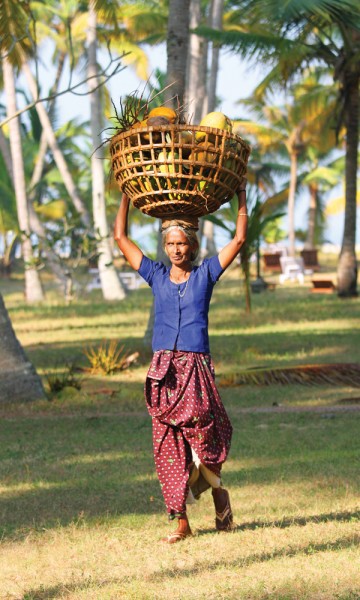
x=191, y=236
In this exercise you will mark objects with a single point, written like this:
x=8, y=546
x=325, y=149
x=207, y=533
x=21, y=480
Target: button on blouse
x=181, y=310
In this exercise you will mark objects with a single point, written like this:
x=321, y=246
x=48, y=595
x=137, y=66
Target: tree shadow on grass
x=61, y=471
x=341, y=517
x=57, y=591
x=45, y=355
x=255, y=345
x=258, y=557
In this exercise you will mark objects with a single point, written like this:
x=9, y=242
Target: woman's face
x=178, y=248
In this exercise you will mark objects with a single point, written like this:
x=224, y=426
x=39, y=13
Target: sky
x=236, y=81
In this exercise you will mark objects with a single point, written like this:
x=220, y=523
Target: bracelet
x=243, y=214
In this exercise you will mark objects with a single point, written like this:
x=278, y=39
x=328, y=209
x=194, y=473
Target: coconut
x=167, y=162
x=157, y=121
x=204, y=152
x=154, y=122
x=214, y=119
x=163, y=111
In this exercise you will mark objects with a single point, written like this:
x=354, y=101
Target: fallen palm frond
x=334, y=374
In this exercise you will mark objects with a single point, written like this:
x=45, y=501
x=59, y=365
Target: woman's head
x=180, y=244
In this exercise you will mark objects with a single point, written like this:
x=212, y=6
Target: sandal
x=224, y=515
x=175, y=537
x=183, y=531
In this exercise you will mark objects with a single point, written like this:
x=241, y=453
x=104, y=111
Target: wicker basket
x=168, y=171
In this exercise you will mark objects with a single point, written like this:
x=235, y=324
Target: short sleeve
x=148, y=268
x=214, y=268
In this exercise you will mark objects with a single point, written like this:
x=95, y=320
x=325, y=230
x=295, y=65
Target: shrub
x=108, y=358
x=67, y=378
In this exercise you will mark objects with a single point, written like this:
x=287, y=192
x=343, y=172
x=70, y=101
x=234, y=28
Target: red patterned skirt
x=187, y=415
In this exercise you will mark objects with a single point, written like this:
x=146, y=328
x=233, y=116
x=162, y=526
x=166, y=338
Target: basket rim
x=179, y=127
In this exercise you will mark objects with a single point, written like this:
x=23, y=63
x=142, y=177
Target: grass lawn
x=81, y=511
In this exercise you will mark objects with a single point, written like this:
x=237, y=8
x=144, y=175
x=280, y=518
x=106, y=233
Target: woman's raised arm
x=130, y=250
x=232, y=249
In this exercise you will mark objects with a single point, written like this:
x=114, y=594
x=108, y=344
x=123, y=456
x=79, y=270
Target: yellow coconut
x=185, y=139
x=163, y=111
x=167, y=160
x=214, y=119
x=204, y=152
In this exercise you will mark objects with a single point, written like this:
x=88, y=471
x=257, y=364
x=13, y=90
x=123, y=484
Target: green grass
x=81, y=511
x=85, y=488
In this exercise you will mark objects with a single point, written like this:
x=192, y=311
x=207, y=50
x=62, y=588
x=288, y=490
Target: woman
x=191, y=430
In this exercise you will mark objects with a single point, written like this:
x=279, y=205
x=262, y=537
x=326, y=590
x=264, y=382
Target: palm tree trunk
x=40, y=159
x=215, y=19
x=202, y=83
x=245, y=267
x=33, y=288
x=19, y=381
x=35, y=224
x=51, y=258
x=347, y=267
x=177, y=51
x=291, y=202
x=208, y=233
x=196, y=70
x=5, y=151
x=216, y=23
x=55, y=149
x=310, y=239
x=111, y=286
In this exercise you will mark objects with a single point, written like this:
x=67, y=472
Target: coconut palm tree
x=258, y=220
x=292, y=36
x=53, y=144
x=21, y=48
x=7, y=186
x=299, y=127
x=13, y=21
x=33, y=288
x=46, y=30
x=124, y=40
x=110, y=283
x=321, y=175
x=19, y=381
x=285, y=130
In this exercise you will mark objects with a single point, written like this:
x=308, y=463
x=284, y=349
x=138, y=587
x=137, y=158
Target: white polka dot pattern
x=187, y=412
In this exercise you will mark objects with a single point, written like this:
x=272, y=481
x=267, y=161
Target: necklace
x=182, y=293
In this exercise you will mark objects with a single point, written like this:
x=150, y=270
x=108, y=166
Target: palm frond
x=299, y=11
x=249, y=44
x=333, y=374
x=16, y=23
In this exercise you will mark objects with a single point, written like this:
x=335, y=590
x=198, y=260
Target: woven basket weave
x=167, y=173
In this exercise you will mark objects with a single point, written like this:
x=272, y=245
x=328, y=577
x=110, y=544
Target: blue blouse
x=181, y=310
